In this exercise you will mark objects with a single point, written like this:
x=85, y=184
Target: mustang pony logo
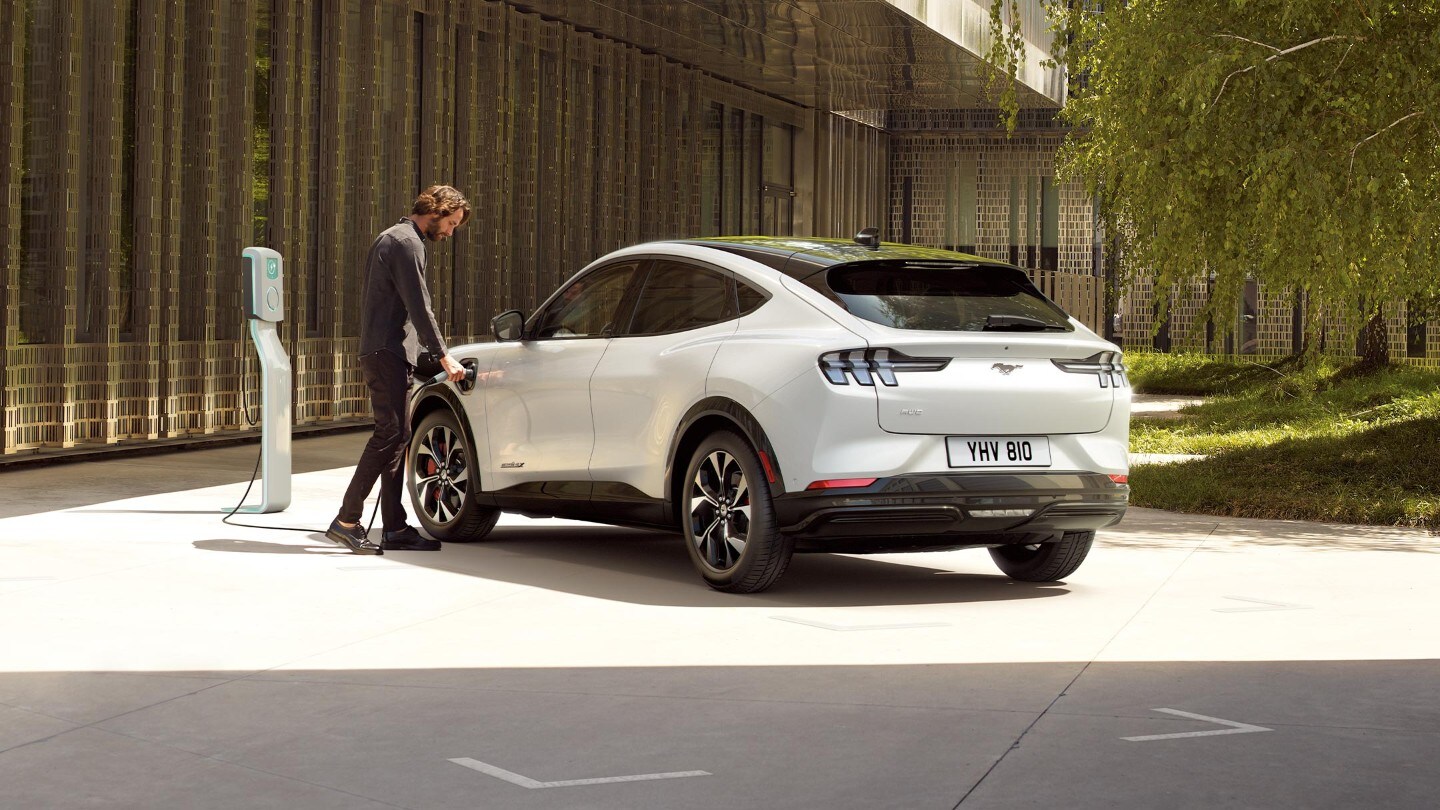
x=1004, y=368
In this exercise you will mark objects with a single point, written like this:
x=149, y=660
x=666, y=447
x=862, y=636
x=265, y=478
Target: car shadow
x=653, y=568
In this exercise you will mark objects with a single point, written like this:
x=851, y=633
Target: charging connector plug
x=465, y=384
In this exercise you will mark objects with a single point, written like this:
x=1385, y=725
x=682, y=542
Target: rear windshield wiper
x=1017, y=323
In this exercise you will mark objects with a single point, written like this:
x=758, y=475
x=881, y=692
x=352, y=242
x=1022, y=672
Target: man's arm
x=408, y=267
x=407, y=264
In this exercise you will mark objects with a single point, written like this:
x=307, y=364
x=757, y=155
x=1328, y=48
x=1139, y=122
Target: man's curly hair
x=442, y=200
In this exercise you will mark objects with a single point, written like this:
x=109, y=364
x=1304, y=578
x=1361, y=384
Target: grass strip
x=1284, y=442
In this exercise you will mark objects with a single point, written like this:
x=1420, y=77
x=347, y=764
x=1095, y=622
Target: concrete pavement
x=153, y=657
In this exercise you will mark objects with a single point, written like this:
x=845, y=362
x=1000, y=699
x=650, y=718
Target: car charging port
x=465, y=384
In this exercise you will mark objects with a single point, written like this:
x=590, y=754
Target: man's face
x=441, y=228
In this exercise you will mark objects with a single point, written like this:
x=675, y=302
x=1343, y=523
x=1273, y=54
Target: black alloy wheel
x=443, y=481
x=728, y=517
x=1044, y=562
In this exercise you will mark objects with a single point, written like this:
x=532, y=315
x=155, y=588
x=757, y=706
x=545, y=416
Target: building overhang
x=838, y=55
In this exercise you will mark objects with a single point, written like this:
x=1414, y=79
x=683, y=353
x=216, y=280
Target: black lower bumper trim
x=956, y=509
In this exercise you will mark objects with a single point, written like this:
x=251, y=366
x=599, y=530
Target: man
x=395, y=320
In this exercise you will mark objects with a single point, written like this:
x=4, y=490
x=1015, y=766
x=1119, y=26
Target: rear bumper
x=951, y=510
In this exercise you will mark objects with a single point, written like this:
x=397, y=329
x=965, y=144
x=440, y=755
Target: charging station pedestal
x=264, y=303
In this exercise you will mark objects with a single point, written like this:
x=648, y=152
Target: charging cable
x=436, y=380
x=253, y=421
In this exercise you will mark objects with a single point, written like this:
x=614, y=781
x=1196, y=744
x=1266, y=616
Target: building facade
x=147, y=142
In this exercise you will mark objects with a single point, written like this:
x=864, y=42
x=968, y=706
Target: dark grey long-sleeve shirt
x=396, y=313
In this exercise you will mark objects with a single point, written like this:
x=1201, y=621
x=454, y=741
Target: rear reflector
x=765, y=463
x=1120, y=479
x=842, y=483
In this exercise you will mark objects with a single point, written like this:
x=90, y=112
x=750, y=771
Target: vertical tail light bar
x=865, y=365
x=1104, y=365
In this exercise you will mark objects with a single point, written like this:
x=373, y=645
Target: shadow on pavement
x=652, y=568
x=87, y=481
x=1327, y=734
x=259, y=547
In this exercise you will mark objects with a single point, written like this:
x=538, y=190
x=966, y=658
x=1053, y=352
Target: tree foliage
x=1296, y=142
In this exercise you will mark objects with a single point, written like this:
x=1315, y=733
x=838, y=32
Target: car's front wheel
x=1044, y=562
x=728, y=517
x=443, y=481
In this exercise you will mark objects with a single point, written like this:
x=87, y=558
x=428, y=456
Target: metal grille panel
x=146, y=142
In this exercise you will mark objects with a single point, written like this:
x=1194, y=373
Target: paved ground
x=152, y=657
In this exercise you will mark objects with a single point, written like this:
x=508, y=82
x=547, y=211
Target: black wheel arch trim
x=421, y=402
x=737, y=415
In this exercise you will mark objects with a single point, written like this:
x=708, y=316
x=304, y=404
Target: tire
x=441, y=476
x=1044, y=562
x=728, y=518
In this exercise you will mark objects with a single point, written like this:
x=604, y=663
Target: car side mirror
x=508, y=325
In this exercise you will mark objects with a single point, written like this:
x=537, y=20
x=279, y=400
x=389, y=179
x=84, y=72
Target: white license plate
x=998, y=451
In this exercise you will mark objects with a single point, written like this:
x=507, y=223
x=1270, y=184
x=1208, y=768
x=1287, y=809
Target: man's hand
x=454, y=372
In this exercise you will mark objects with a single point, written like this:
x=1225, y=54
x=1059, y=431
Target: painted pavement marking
x=532, y=784
x=1268, y=606
x=1234, y=728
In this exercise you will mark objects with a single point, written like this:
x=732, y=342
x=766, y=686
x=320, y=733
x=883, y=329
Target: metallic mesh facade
x=144, y=143
x=1268, y=324
x=957, y=182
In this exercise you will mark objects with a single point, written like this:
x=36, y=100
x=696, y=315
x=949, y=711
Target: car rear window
x=942, y=296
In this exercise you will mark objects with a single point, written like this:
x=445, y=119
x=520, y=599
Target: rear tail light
x=865, y=365
x=842, y=483
x=1105, y=365
x=1119, y=479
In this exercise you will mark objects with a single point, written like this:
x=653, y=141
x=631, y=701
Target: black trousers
x=387, y=375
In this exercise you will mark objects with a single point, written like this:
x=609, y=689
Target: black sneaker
x=407, y=539
x=352, y=537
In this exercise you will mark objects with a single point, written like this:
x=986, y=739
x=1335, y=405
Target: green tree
x=1295, y=142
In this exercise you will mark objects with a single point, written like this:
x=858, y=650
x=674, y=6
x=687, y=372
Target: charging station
x=264, y=304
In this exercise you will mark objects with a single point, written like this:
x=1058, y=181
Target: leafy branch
x=1377, y=134
x=1006, y=51
x=1278, y=53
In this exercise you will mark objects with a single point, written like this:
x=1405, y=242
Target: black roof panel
x=801, y=257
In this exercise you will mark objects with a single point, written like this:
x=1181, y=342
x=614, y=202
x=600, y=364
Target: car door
x=654, y=370
x=537, y=397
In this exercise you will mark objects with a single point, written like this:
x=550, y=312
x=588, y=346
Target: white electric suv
x=764, y=396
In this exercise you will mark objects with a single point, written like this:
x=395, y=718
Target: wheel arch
x=704, y=418
x=439, y=397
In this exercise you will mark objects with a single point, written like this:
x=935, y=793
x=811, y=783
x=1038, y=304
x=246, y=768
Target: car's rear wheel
x=728, y=517
x=443, y=481
x=1044, y=562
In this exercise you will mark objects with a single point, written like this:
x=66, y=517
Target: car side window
x=750, y=298
x=588, y=306
x=678, y=296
